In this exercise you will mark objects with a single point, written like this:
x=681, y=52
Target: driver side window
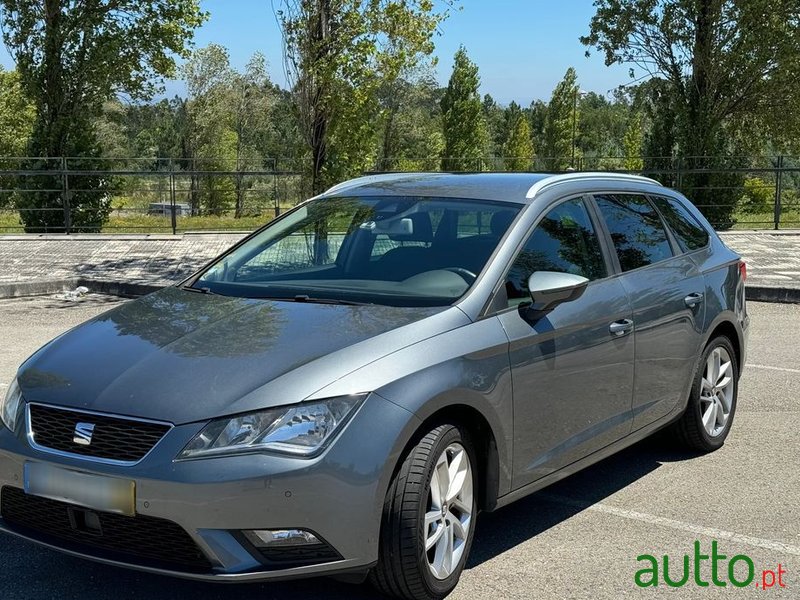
x=564, y=241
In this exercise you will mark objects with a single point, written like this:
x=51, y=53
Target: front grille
x=141, y=538
x=113, y=438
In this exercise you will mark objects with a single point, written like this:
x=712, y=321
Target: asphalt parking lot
x=578, y=539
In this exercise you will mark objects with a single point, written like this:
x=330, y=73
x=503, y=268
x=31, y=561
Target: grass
x=143, y=223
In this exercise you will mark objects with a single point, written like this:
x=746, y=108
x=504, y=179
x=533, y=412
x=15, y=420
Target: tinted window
x=687, y=230
x=563, y=241
x=636, y=230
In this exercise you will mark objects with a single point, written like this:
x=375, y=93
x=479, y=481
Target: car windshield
x=398, y=251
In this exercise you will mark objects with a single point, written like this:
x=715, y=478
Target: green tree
x=724, y=63
x=560, y=124
x=209, y=144
x=337, y=56
x=518, y=149
x=16, y=115
x=632, y=143
x=410, y=136
x=73, y=55
x=16, y=124
x=462, y=117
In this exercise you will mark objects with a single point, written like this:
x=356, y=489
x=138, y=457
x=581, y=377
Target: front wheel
x=428, y=518
x=712, y=403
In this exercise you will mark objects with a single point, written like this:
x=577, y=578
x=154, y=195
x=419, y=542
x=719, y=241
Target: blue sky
x=522, y=47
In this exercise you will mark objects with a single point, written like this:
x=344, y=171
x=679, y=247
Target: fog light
x=278, y=538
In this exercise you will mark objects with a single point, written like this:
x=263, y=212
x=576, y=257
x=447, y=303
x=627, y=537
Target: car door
x=572, y=375
x=666, y=291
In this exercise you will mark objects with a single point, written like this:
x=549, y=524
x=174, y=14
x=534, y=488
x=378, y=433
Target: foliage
x=72, y=56
x=338, y=54
x=722, y=64
x=632, y=144
x=518, y=148
x=560, y=124
x=16, y=115
x=463, y=122
x=758, y=196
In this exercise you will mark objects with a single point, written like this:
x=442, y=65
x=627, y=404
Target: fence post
x=275, y=187
x=172, y=204
x=778, y=191
x=65, y=196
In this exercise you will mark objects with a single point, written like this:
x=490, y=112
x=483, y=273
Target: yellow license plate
x=105, y=494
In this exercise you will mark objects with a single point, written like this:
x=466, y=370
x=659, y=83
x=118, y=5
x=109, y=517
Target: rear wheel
x=428, y=518
x=712, y=404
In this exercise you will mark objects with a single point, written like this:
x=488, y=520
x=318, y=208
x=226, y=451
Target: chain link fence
x=174, y=195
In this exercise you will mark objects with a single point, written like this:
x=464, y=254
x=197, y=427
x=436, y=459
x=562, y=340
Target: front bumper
x=338, y=496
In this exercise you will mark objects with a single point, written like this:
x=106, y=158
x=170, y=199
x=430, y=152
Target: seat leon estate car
x=343, y=391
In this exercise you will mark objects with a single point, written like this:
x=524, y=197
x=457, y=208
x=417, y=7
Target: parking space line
x=770, y=368
x=711, y=532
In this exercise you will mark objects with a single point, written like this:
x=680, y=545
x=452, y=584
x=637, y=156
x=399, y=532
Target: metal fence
x=176, y=195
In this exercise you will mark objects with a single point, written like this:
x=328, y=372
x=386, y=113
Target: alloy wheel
x=716, y=391
x=448, y=517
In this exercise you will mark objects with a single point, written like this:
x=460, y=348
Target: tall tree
x=338, y=53
x=16, y=124
x=560, y=127
x=633, y=143
x=73, y=55
x=725, y=63
x=518, y=149
x=462, y=117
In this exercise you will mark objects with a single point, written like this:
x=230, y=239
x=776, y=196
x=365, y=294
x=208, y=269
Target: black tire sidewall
x=442, y=587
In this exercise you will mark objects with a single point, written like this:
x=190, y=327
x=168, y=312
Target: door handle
x=621, y=327
x=693, y=300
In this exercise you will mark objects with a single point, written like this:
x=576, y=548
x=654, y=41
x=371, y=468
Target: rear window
x=689, y=233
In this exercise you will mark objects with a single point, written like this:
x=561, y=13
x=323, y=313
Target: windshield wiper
x=311, y=300
x=200, y=290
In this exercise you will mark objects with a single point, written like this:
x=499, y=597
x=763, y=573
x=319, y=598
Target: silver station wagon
x=345, y=390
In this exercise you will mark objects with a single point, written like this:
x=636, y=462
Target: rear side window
x=689, y=233
x=636, y=229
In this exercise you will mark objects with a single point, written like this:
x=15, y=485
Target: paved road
x=773, y=259
x=578, y=539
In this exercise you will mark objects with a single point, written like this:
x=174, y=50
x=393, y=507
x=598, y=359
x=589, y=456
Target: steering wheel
x=465, y=274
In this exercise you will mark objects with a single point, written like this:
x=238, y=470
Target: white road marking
x=769, y=368
x=711, y=532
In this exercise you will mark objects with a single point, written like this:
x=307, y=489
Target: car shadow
x=508, y=527
x=33, y=572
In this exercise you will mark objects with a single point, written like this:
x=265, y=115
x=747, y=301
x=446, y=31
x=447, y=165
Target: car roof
x=520, y=188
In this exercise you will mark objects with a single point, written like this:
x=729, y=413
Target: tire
x=405, y=569
x=691, y=430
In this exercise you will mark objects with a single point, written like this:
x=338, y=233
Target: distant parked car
x=343, y=391
x=165, y=208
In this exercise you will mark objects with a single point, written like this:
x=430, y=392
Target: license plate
x=106, y=494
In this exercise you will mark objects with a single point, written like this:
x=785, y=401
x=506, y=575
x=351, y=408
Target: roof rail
x=367, y=179
x=567, y=177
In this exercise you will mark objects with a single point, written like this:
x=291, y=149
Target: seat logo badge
x=83, y=434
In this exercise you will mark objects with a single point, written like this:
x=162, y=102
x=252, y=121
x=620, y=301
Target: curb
x=46, y=288
x=782, y=295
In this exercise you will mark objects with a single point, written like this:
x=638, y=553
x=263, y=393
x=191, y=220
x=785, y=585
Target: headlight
x=10, y=407
x=301, y=430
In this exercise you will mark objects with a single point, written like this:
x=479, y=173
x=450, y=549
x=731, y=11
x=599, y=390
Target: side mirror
x=548, y=289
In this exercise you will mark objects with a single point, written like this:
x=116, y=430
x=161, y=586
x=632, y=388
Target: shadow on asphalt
x=32, y=572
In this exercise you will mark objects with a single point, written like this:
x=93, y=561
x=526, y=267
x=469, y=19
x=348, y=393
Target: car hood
x=180, y=356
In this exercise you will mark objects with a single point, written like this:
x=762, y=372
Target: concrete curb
x=46, y=288
x=783, y=295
